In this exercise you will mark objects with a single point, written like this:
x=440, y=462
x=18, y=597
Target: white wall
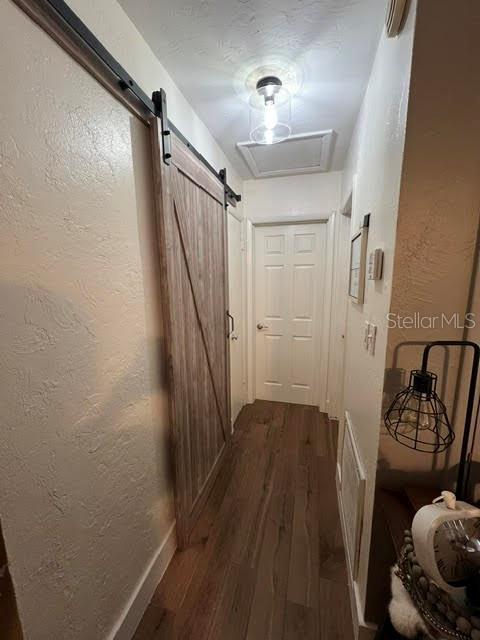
x=84, y=469
x=292, y=198
x=375, y=158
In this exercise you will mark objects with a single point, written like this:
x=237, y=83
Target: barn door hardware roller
x=231, y=198
x=159, y=102
x=159, y=99
x=222, y=174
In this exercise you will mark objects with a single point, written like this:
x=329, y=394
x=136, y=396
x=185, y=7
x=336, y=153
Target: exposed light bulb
x=270, y=90
x=269, y=136
x=270, y=112
x=424, y=418
x=417, y=416
x=271, y=117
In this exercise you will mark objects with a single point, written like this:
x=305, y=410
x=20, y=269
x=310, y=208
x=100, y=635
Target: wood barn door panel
x=191, y=222
x=184, y=160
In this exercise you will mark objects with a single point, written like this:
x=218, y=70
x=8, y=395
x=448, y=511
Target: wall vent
x=300, y=153
x=352, y=496
x=395, y=19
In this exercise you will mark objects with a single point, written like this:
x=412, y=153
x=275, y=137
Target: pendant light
x=270, y=111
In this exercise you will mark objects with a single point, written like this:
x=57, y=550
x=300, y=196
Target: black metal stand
x=462, y=478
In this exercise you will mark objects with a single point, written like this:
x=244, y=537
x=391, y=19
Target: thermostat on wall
x=375, y=265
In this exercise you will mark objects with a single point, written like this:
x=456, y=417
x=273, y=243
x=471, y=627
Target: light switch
x=366, y=334
x=371, y=338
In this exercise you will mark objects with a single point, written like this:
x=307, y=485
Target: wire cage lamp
x=417, y=417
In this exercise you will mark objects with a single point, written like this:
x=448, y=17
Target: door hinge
x=159, y=99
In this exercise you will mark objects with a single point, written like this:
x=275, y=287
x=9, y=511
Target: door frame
x=336, y=363
x=241, y=320
x=324, y=308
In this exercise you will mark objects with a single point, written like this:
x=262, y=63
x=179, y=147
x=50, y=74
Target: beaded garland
x=436, y=607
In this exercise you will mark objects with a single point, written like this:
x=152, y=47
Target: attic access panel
x=301, y=153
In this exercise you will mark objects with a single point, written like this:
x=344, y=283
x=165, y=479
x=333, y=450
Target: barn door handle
x=230, y=317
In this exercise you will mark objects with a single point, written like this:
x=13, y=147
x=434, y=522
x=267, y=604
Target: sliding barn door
x=192, y=234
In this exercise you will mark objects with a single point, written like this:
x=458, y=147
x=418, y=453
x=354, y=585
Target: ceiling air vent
x=396, y=13
x=300, y=153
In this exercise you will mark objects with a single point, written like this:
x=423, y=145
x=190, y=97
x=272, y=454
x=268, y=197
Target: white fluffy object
x=403, y=614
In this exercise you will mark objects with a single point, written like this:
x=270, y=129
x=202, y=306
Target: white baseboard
x=362, y=630
x=130, y=618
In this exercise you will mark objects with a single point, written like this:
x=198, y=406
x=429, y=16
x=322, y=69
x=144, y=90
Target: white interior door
x=289, y=287
x=235, y=284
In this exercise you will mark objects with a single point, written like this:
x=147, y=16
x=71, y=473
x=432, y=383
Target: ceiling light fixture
x=270, y=111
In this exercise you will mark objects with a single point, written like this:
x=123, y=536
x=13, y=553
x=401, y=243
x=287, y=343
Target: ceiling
x=215, y=51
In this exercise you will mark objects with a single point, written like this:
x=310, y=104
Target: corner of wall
x=375, y=160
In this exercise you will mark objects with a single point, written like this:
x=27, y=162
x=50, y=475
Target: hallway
x=266, y=560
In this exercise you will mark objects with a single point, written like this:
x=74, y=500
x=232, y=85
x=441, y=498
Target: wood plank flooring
x=266, y=559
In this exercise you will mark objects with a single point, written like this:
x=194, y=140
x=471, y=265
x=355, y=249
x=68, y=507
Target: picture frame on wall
x=358, y=263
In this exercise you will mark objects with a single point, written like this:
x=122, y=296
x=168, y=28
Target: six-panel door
x=289, y=279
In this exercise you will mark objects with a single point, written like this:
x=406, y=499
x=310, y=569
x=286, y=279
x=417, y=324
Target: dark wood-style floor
x=266, y=561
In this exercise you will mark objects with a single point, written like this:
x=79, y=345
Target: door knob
x=261, y=326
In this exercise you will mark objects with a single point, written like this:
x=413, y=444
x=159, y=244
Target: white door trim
x=324, y=312
x=290, y=223
x=250, y=291
x=237, y=340
x=238, y=215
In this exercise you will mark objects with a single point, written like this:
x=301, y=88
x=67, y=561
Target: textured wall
x=436, y=235
x=116, y=31
x=472, y=334
x=438, y=219
x=376, y=159
x=85, y=491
